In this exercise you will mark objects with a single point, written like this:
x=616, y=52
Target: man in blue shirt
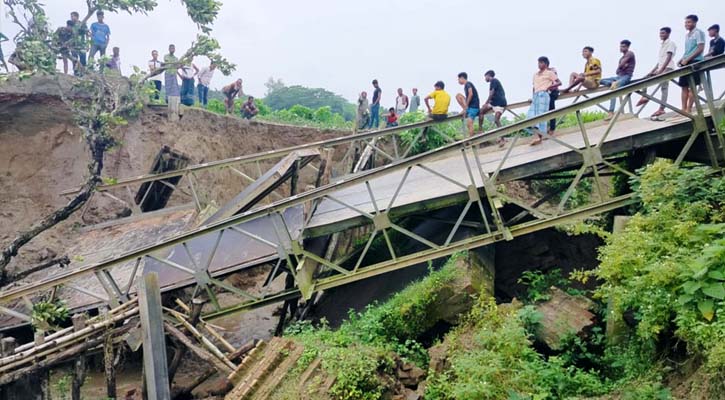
x=100, y=34
x=694, y=52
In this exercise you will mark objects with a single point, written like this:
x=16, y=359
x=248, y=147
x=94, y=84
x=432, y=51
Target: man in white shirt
x=204, y=78
x=401, y=103
x=186, y=73
x=155, y=67
x=665, y=63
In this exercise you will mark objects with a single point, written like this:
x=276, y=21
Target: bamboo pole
x=201, y=353
x=35, y=353
x=209, y=328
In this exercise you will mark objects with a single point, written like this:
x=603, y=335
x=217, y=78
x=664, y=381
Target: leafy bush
x=47, y=314
x=492, y=357
x=668, y=267
x=436, y=136
x=363, y=347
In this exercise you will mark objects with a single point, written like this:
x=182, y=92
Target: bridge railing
x=351, y=153
x=466, y=173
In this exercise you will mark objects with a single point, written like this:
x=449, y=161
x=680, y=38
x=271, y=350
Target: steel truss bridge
x=295, y=234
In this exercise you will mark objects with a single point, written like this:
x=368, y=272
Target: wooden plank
x=154, y=340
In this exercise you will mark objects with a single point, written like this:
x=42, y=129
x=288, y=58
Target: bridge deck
x=422, y=188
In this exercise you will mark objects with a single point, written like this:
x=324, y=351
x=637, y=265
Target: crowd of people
x=185, y=83
x=546, y=85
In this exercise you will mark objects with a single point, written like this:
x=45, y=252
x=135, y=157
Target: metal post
x=154, y=342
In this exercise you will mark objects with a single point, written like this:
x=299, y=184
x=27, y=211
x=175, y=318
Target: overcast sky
x=342, y=45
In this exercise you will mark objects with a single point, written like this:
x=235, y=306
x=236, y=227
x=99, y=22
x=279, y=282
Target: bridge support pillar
x=483, y=268
x=616, y=327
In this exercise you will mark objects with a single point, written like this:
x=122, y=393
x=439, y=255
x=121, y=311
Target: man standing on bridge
x=665, y=63
x=544, y=81
x=625, y=70
x=414, y=101
x=694, y=50
x=375, y=106
x=717, y=44
x=468, y=101
x=401, y=103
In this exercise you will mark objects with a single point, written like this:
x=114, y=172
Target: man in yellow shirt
x=442, y=100
x=592, y=72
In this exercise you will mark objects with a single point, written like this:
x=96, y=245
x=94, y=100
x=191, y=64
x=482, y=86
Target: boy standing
x=100, y=35
x=115, y=62
x=204, y=77
x=375, y=106
x=414, y=101
x=717, y=44
x=79, y=46
x=468, y=101
x=694, y=50
x=170, y=82
x=665, y=63
x=401, y=103
x=544, y=81
x=592, y=72
x=442, y=100
x=155, y=66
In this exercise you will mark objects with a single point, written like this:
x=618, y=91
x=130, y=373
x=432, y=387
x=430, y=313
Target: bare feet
x=609, y=116
x=642, y=101
x=537, y=140
x=501, y=142
x=657, y=114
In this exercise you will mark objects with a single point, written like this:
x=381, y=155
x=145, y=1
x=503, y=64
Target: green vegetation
x=434, y=138
x=366, y=344
x=668, y=267
x=280, y=97
x=48, y=314
x=666, y=270
x=297, y=115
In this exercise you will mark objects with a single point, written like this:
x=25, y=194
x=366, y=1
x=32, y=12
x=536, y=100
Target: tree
x=100, y=103
x=287, y=96
x=273, y=85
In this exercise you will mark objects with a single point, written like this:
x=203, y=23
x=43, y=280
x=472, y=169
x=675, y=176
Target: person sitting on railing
x=442, y=100
x=717, y=44
x=592, y=72
x=391, y=118
x=544, y=81
x=468, y=101
x=496, y=102
x=694, y=52
x=625, y=71
x=665, y=63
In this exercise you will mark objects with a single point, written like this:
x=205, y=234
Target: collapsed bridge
x=297, y=234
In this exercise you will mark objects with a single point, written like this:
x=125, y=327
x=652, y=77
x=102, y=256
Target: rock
x=47, y=254
x=412, y=395
x=412, y=377
x=438, y=358
x=563, y=315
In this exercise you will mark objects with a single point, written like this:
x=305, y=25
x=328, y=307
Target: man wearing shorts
x=230, y=92
x=665, y=63
x=468, y=101
x=694, y=50
x=496, y=102
x=442, y=100
x=592, y=72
